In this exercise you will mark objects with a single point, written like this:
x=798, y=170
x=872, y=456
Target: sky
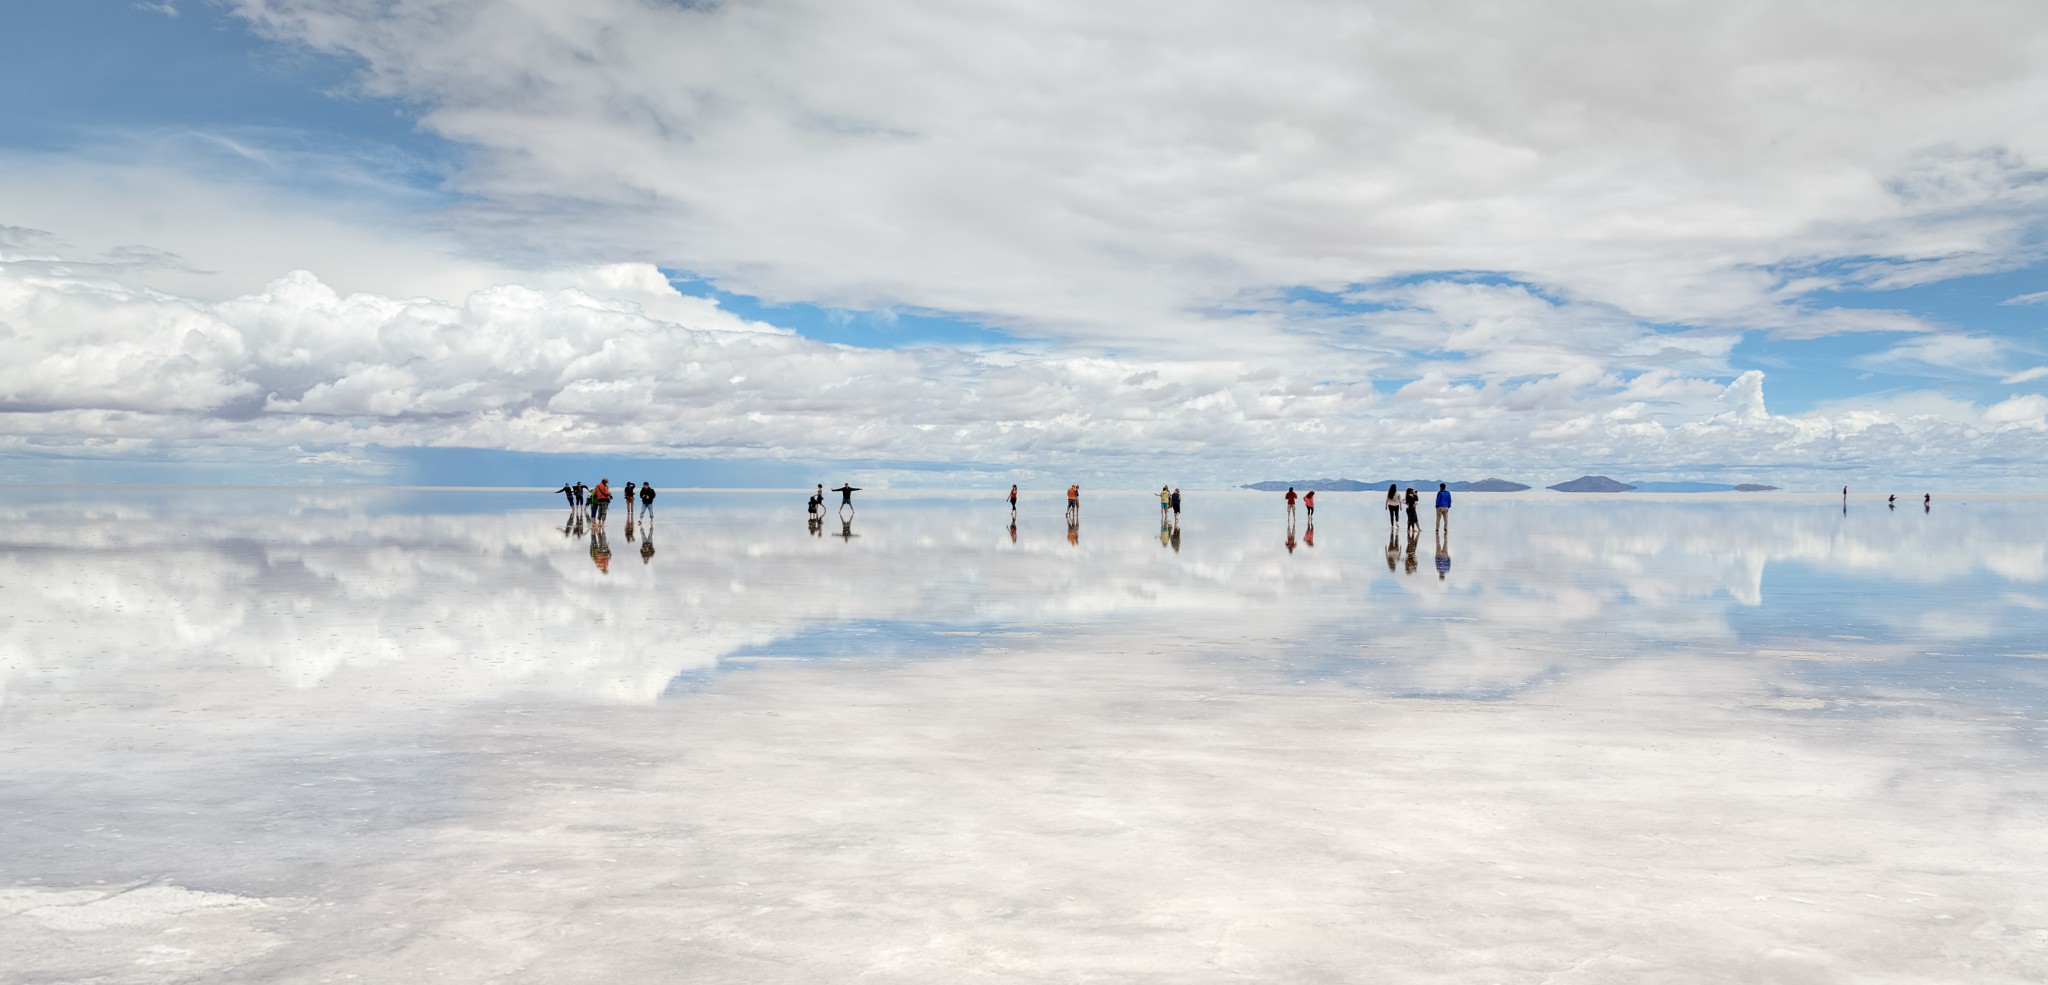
x=517, y=241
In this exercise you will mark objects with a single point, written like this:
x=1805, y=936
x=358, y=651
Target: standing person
x=1291, y=497
x=580, y=490
x=1309, y=502
x=1176, y=509
x=632, y=493
x=647, y=499
x=1013, y=500
x=1891, y=502
x=1927, y=503
x=1165, y=503
x=818, y=501
x=1073, y=503
x=601, y=498
x=1410, y=499
x=569, y=493
x=1443, y=508
x=1393, y=509
x=846, y=491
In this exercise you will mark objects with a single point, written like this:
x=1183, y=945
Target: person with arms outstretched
x=846, y=492
x=569, y=493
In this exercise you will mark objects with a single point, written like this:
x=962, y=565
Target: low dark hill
x=1592, y=484
x=1754, y=487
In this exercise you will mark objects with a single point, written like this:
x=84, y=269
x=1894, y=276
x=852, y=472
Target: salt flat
x=301, y=736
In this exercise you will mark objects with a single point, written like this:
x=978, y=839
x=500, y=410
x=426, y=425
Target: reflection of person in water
x=1176, y=538
x=1013, y=528
x=1308, y=533
x=1408, y=559
x=1927, y=503
x=1443, y=557
x=600, y=550
x=846, y=529
x=647, y=541
x=1290, y=534
x=1393, y=548
x=629, y=525
x=815, y=523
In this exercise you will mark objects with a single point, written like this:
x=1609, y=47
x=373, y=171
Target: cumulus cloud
x=1105, y=172
x=613, y=359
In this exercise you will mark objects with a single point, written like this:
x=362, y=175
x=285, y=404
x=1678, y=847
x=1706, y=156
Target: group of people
x=597, y=500
x=816, y=508
x=1397, y=503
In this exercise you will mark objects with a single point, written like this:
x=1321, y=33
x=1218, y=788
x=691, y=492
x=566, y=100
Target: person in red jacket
x=602, y=496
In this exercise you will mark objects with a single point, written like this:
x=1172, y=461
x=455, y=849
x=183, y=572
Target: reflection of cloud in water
x=317, y=587
x=1623, y=741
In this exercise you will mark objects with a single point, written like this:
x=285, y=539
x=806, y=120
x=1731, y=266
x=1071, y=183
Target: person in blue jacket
x=1443, y=508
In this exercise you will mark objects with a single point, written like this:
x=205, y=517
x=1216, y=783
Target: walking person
x=1443, y=509
x=1393, y=508
x=1291, y=497
x=647, y=499
x=1013, y=501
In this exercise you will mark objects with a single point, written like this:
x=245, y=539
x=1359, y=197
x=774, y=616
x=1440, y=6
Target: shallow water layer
x=301, y=735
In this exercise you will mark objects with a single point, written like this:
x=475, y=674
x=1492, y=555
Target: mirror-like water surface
x=276, y=735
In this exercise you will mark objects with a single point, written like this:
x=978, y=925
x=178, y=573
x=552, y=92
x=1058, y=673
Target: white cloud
x=1102, y=172
x=98, y=369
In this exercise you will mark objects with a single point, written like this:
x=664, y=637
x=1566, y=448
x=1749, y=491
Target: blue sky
x=891, y=256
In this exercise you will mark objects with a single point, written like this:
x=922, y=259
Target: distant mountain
x=1592, y=484
x=1488, y=485
x=1353, y=485
x=1753, y=487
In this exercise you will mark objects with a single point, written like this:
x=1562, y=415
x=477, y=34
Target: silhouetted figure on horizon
x=1408, y=559
x=1891, y=502
x=1308, y=533
x=846, y=529
x=846, y=492
x=1927, y=503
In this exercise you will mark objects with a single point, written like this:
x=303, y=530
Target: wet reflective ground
x=298, y=736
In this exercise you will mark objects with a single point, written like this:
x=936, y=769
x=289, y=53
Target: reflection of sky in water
x=1805, y=741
